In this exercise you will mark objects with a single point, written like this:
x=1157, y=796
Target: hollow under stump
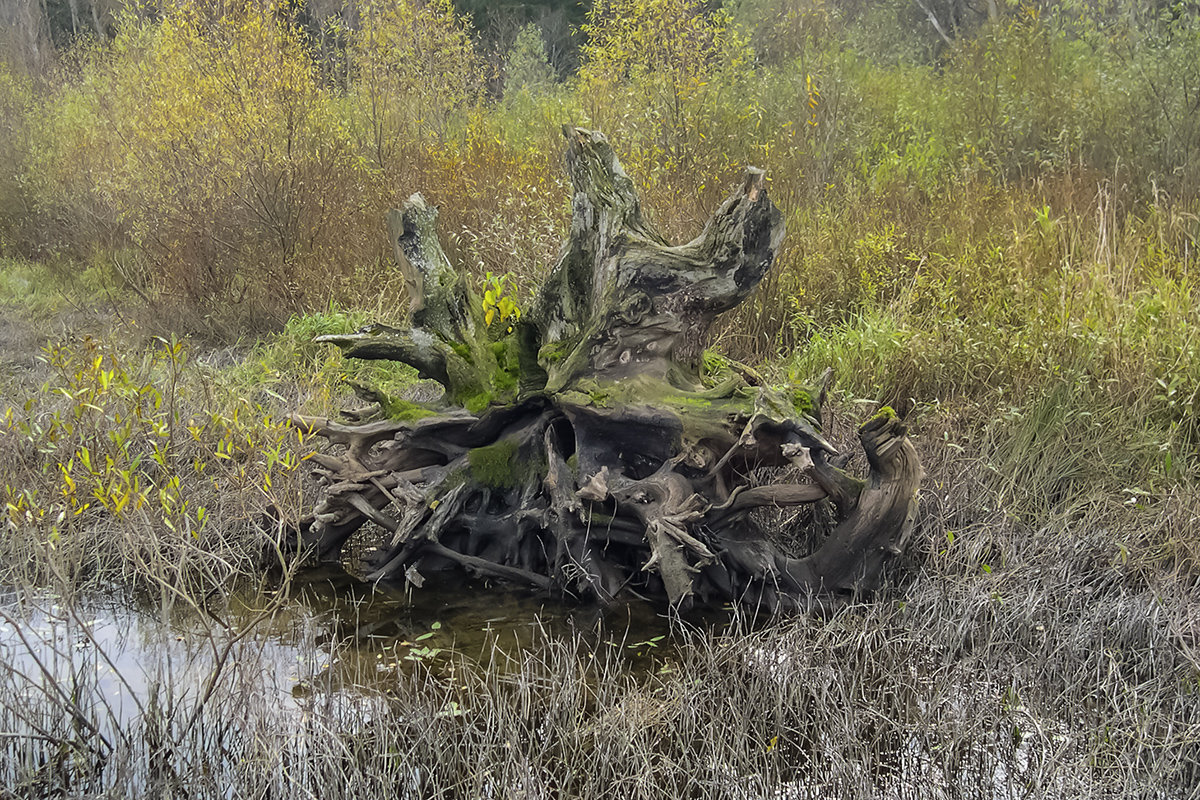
x=580, y=448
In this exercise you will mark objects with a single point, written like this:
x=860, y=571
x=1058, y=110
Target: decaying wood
x=582, y=450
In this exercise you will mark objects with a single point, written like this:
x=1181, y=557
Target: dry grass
x=1007, y=659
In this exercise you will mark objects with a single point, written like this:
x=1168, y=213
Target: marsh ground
x=1009, y=657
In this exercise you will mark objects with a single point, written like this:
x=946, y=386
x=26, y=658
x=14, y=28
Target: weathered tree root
x=598, y=463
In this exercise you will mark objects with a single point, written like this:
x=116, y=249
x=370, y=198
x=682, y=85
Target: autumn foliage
x=955, y=211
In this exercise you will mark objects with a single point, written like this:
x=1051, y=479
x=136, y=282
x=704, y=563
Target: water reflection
x=266, y=693
x=472, y=621
x=103, y=658
x=330, y=632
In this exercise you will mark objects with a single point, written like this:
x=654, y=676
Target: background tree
x=527, y=66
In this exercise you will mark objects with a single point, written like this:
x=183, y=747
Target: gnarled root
x=506, y=497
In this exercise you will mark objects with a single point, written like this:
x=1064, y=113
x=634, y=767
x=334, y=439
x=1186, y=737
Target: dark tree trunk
x=582, y=451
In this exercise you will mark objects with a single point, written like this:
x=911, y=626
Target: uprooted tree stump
x=579, y=449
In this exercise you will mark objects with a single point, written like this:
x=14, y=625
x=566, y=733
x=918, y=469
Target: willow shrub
x=211, y=149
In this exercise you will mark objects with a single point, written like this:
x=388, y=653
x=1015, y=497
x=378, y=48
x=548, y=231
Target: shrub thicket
x=985, y=216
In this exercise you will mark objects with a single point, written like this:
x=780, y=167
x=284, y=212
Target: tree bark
x=584, y=450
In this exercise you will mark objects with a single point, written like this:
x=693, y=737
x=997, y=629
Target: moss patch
x=553, y=352
x=687, y=401
x=802, y=401
x=494, y=465
x=478, y=402
x=506, y=382
x=404, y=411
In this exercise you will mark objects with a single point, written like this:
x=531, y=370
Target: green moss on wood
x=573, y=398
x=494, y=465
x=506, y=382
x=687, y=401
x=802, y=401
x=476, y=403
x=404, y=411
x=553, y=352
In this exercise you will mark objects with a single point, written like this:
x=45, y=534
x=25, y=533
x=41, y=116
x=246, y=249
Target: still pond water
x=332, y=634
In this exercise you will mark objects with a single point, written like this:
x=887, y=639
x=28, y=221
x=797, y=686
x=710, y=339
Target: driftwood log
x=582, y=448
